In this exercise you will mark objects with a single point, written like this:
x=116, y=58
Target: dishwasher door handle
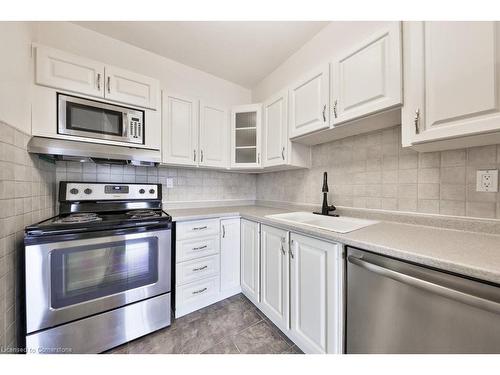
x=430, y=286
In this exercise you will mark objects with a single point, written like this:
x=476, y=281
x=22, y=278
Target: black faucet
x=325, y=208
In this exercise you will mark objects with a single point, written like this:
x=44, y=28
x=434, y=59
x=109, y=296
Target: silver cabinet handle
x=324, y=112
x=200, y=268
x=283, y=153
x=194, y=155
x=223, y=231
x=200, y=228
x=201, y=156
x=290, y=249
x=427, y=285
x=335, y=108
x=109, y=85
x=282, y=247
x=98, y=81
x=416, y=120
x=200, y=247
x=199, y=291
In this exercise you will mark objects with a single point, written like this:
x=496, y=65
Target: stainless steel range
x=99, y=274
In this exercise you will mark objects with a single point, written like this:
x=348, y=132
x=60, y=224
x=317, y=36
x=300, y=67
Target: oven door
x=93, y=119
x=70, y=280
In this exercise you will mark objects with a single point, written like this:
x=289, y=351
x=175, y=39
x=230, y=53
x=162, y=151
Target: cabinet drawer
x=198, y=228
x=196, y=248
x=197, y=291
x=197, y=269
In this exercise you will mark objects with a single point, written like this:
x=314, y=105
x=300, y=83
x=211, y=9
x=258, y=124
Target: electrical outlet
x=170, y=183
x=487, y=180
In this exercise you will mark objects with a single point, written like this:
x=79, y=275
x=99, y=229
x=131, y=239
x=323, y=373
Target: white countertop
x=468, y=253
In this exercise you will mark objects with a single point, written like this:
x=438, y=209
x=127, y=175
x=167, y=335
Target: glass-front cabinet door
x=246, y=136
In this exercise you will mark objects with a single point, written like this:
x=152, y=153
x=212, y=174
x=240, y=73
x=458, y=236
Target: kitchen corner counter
x=471, y=254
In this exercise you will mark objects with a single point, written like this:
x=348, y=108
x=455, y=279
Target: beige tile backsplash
x=189, y=185
x=27, y=195
x=374, y=171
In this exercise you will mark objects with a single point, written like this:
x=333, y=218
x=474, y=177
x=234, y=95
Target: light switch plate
x=487, y=180
x=170, y=183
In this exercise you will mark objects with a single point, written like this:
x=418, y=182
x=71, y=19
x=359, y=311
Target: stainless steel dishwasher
x=398, y=307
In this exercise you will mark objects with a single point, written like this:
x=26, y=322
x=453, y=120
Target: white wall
x=174, y=76
x=15, y=74
x=331, y=40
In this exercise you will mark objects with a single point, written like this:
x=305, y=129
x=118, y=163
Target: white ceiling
x=242, y=52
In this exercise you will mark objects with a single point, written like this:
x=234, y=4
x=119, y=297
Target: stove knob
x=151, y=191
x=87, y=191
x=74, y=191
x=142, y=191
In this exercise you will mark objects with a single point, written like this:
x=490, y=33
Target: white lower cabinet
x=250, y=258
x=274, y=275
x=230, y=256
x=297, y=282
x=207, y=257
x=316, y=294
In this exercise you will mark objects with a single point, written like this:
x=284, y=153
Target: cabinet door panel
x=131, y=88
x=180, y=135
x=230, y=255
x=460, y=59
x=367, y=78
x=250, y=258
x=451, y=82
x=316, y=295
x=274, y=271
x=214, y=136
x=276, y=130
x=308, y=103
x=69, y=72
x=308, y=277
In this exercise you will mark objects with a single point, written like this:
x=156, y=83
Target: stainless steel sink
x=334, y=224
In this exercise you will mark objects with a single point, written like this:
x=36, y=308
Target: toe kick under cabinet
x=207, y=263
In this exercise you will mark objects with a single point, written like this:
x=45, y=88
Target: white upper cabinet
x=180, y=130
x=309, y=103
x=214, y=136
x=278, y=151
x=246, y=136
x=276, y=130
x=451, y=83
x=274, y=271
x=63, y=70
x=367, y=78
x=131, y=88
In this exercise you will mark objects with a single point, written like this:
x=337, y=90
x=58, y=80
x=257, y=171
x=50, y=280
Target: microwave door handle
x=125, y=124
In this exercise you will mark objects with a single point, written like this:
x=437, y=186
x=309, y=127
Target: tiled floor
x=231, y=326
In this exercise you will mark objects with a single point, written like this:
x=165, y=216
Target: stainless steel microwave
x=92, y=119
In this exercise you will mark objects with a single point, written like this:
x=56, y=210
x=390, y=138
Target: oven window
x=84, y=273
x=93, y=119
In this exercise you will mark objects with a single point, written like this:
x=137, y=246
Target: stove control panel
x=95, y=191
